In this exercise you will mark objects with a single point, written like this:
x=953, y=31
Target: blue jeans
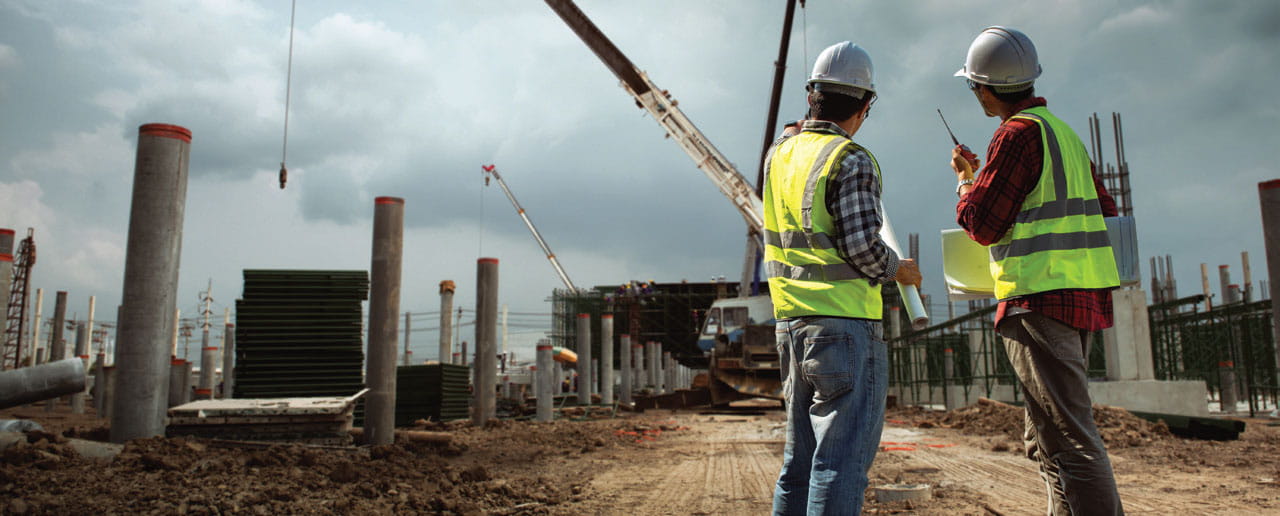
x=835, y=375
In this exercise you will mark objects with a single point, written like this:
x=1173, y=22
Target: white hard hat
x=843, y=68
x=1001, y=57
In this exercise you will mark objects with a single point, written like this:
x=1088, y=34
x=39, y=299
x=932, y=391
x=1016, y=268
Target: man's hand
x=908, y=272
x=964, y=162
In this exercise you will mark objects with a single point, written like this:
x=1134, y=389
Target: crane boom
x=492, y=170
x=663, y=109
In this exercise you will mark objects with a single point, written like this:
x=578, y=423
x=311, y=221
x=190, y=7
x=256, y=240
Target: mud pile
x=505, y=468
x=1119, y=428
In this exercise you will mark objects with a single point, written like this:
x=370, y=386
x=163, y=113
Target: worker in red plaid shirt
x=1039, y=207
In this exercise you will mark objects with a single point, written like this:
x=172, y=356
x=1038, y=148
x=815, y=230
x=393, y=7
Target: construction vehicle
x=743, y=359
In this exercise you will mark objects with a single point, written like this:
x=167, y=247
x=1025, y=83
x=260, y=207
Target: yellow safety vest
x=806, y=274
x=1059, y=239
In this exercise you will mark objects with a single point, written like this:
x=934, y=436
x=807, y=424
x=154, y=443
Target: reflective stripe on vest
x=1059, y=239
x=806, y=274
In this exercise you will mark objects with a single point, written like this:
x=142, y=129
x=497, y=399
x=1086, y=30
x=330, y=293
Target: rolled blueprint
x=910, y=295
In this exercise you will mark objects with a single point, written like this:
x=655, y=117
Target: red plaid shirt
x=1014, y=161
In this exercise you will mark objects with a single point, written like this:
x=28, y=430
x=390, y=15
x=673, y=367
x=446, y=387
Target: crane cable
x=288, y=85
x=804, y=35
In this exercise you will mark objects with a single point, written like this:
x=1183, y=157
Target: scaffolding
x=669, y=313
x=11, y=343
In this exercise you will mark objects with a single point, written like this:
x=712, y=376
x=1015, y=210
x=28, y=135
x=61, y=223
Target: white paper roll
x=910, y=294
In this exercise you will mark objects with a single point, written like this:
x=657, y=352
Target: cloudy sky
x=410, y=98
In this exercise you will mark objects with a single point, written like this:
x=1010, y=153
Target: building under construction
x=668, y=313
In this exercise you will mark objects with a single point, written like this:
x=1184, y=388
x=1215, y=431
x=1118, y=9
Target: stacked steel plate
x=298, y=333
x=436, y=392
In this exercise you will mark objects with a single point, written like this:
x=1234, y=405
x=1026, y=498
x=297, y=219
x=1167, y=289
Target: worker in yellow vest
x=825, y=263
x=1039, y=207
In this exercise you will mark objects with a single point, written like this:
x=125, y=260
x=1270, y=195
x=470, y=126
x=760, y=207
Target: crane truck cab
x=738, y=335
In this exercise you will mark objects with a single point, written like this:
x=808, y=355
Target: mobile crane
x=738, y=333
x=743, y=361
x=491, y=171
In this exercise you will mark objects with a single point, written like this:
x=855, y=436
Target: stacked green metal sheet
x=298, y=333
x=436, y=392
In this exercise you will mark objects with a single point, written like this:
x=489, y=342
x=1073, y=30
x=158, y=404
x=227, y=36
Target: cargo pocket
x=826, y=365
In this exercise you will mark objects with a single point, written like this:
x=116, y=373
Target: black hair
x=1012, y=97
x=835, y=107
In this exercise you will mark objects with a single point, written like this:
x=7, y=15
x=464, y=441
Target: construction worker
x=1040, y=208
x=825, y=261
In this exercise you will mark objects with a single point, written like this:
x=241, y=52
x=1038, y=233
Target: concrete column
x=1247, y=291
x=624, y=367
x=208, y=369
x=660, y=368
x=953, y=392
x=446, y=322
x=384, y=306
x=543, y=380
x=1227, y=386
x=150, y=281
x=99, y=389
x=651, y=364
x=82, y=354
x=557, y=378
x=35, y=329
x=1204, y=284
x=57, y=346
x=584, y=359
x=1128, y=343
x=407, y=353
x=47, y=381
x=486, y=370
x=179, y=391
x=6, y=277
x=641, y=375
x=173, y=338
x=1224, y=277
x=595, y=376
x=606, y=359
x=229, y=361
x=1269, y=199
x=108, y=391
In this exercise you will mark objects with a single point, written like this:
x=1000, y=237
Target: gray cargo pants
x=1049, y=358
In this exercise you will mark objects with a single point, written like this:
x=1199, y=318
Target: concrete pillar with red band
x=150, y=290
x=384, y=309
x=484, y=407
x=544, y=379
x=6, y=275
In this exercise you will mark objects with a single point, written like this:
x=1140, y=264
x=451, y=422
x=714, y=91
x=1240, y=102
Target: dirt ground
x=681, y=462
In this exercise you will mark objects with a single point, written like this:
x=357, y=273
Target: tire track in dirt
x=696, y=473
x=1013, y=484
